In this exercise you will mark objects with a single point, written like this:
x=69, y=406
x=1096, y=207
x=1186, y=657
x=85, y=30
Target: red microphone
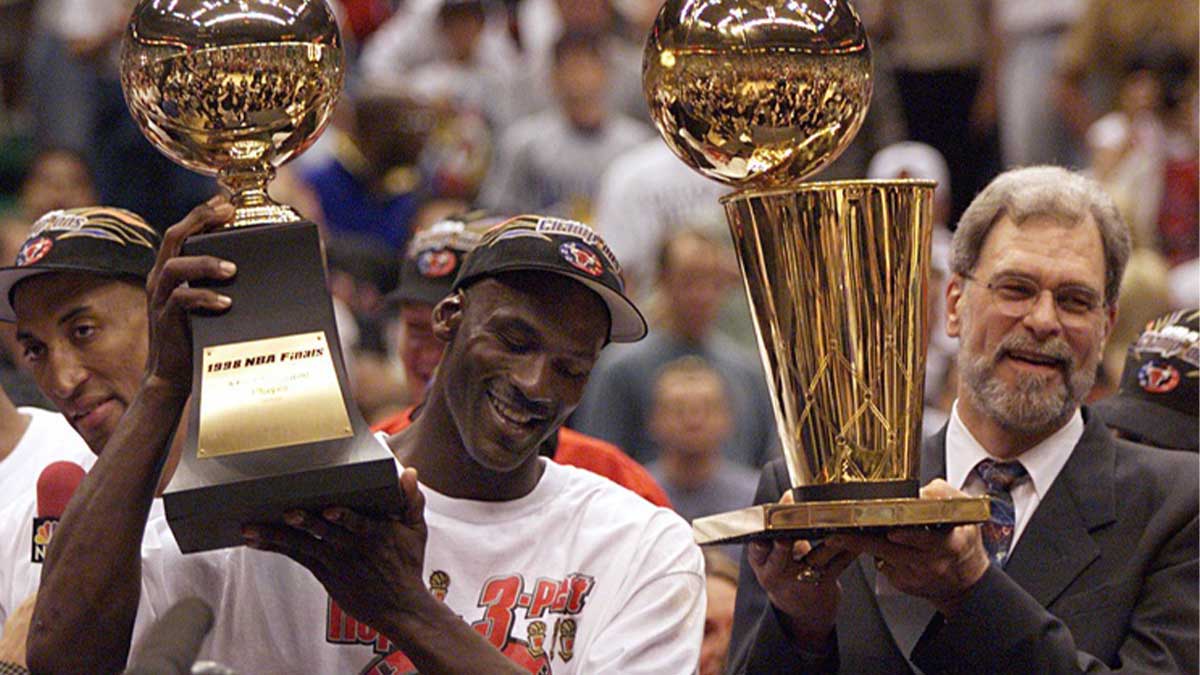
x=55, y=485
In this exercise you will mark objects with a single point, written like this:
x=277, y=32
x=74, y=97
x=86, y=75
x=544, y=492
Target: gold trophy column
x=760, y=95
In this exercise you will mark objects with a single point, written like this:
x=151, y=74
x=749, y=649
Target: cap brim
x=628, y=324
x=11, y=276
x=1159, y=426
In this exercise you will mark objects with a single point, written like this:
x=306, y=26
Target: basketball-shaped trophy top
x=232, y=86
x=757, y=93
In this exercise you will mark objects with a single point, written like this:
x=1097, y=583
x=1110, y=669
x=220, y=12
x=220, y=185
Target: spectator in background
x=645, y=197
x=464, y=73
x=552, y=162
x=443, y=35
x=360, y=274
x=1101, y=45
x=57, y=178
x=720, y=584
x=632, y=21
x=1128, y=146
x=943, y=59
x=1159, y=400
x=1178, y=217
x=621, y=25
x=1029, y=35
x=692, y=278
x=427, y=273
x=689, y=421
x=371, y=186
x=73, y=85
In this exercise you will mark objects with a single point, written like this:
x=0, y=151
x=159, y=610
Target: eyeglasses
x=1016, y=297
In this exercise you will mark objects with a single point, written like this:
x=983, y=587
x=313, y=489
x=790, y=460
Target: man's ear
x=1110, y=320
x=954, y=295
x=447, y=315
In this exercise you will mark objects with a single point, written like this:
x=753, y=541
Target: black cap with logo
x=434, y=255
x=1159, y=396
x=558, y=246
x=99, y=240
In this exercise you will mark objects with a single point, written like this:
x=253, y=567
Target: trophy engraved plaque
x=235, y=89
x=761, y=94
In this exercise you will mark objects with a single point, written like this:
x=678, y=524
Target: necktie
x=1000, y=477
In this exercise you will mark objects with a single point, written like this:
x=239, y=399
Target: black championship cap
x=97, y=239
x=564, y=247
x=435, y=254
x=1160, y=386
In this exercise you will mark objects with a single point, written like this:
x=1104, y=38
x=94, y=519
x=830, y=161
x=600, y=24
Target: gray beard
x=1035, y=405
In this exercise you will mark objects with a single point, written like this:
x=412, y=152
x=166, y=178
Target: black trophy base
x=271, y=426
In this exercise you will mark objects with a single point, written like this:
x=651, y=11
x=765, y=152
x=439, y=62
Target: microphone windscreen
x=57, y=482
x=170, y=645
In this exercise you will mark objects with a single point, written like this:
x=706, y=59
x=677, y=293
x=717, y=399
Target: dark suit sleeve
x=1001, y=628
x=760, y=642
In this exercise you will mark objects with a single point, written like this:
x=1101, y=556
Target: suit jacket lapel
x=1057, y=545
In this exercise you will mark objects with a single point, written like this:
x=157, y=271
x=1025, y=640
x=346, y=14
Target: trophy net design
x=760, y=95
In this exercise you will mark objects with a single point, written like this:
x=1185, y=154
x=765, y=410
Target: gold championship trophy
x=759, y=95
x=235, y=88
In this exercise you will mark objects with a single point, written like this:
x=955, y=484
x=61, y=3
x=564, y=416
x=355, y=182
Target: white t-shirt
x=48, y=439
x=579, y=576
x=20, y=576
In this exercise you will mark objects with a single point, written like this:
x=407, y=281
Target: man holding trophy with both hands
x=1037, y=544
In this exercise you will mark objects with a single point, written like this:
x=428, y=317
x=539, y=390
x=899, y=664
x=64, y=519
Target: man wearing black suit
x=1090, y=563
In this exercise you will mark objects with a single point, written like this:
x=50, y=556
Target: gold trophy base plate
x=813, y=520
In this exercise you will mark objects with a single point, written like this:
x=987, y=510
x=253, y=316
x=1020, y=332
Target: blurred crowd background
x=536, y=106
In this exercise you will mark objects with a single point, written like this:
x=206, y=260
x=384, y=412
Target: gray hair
x=1052, y=191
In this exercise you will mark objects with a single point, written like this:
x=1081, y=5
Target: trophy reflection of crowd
x=256, y=93
x=536, y=106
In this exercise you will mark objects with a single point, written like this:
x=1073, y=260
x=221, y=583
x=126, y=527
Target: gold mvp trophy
x=236, y=88
x=759, y=95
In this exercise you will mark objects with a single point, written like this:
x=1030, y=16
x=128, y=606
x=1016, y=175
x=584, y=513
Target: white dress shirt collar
x=1043, y=462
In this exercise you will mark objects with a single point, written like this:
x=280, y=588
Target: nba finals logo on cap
x=581, y=257
x=1167, y=344
x=437, y=263
x=1158, y=377
x=34, y=250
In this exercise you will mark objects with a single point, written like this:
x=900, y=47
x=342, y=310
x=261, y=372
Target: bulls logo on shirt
x=581, y=257
x=508, y=608
x=1158, y=377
